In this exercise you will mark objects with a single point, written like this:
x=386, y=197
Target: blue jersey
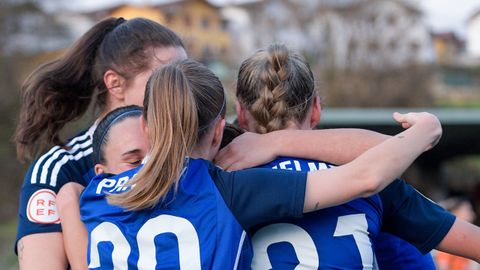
x=394, y=253
x=332, y=238
x=342, y=237
x=37, y=210
x=410, y=214
x=199, y=226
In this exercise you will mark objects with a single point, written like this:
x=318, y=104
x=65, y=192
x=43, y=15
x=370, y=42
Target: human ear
x=115, y=84
x=241, y=115
x=316, y=112
x=218, y=133
x=99, y=168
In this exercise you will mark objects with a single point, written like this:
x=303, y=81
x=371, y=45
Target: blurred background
x=370, y=58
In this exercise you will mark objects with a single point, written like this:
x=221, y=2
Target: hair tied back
x=119, y=21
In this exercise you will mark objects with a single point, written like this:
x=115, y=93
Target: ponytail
x=171, y=114
x=58, y=92
x=276, y=85
x=61, y=91
x=182, y=101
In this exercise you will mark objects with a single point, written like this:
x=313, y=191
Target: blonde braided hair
x=276, y=85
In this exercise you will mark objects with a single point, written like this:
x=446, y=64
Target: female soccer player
x=112, y=62
x=118, y=145
x=179, y=210
x=275, y=91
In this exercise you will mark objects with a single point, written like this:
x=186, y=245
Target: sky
x=440, y=15
x=447, y=15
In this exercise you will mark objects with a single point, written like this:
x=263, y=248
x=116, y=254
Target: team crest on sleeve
x=42, y=207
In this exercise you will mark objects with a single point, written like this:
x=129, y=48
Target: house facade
x=345, y=34
x=473, y=35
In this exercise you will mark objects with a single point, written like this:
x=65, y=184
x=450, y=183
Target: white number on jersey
x=304, y=245
x=188, y=243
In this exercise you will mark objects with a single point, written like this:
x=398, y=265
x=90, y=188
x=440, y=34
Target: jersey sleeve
x=37, y=207
x=261, y=195
x=413, y=217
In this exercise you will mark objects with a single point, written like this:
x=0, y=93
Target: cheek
x=136, y=91
x=135, y=96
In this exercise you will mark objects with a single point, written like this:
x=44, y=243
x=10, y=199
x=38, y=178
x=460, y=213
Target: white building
x=473, y=35
x=345, y=34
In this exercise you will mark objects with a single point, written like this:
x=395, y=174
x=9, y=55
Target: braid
x=270, y=109
x=276, y=86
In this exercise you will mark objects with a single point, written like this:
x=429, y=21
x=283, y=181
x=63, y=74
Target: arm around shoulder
x=377, y=167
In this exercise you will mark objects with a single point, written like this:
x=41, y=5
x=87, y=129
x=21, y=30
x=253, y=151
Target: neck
x=110, y=106
x=201, y=152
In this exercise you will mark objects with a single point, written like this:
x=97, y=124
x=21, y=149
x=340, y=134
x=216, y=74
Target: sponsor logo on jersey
x=42, y=207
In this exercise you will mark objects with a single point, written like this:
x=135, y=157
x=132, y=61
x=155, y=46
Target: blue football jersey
x=412, y=226
x=198, y=226
x=399, y=210
x=37, y=209
x=394, y=253
x=332, y=238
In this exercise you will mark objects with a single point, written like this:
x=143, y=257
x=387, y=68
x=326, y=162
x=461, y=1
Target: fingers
x=224, y=158
x=404, y=119
x=398, y=117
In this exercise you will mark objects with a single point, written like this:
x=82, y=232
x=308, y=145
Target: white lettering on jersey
x=300, y=240
x=188, y=243
x=113, y=185
x=105, y=184
x=312, y=166
x=109, y=232
x=120, y=186
x=304, y=246
x=286, y=165
x=187, y=237
x=41, y=207
x=357, y=226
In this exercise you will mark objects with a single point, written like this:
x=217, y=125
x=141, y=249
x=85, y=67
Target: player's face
x=126, y=147
x=135, y=87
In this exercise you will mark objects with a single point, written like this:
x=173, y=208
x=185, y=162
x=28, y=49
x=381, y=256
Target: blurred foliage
x=402, y=87
x=8, y=259
x=15, y=64
x=465, y=168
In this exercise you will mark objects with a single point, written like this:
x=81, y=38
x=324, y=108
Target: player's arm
x=426, y=225
x=41, y=251
x=75, y=237
x=337, y=146
x=377, y=167
x=284, y=193
x=39, y=242
x=463, y=240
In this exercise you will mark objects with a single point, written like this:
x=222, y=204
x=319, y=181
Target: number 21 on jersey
x=304, y=246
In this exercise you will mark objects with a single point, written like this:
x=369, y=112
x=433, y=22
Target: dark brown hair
x=182, y=102
x=276, y=85
x=101, y=136
x=60, y=91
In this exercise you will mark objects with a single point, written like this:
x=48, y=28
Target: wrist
x=274, y=138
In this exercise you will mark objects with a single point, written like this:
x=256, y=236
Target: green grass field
x=8, y=259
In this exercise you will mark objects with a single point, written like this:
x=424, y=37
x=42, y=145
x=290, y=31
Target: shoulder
x=60, y=165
